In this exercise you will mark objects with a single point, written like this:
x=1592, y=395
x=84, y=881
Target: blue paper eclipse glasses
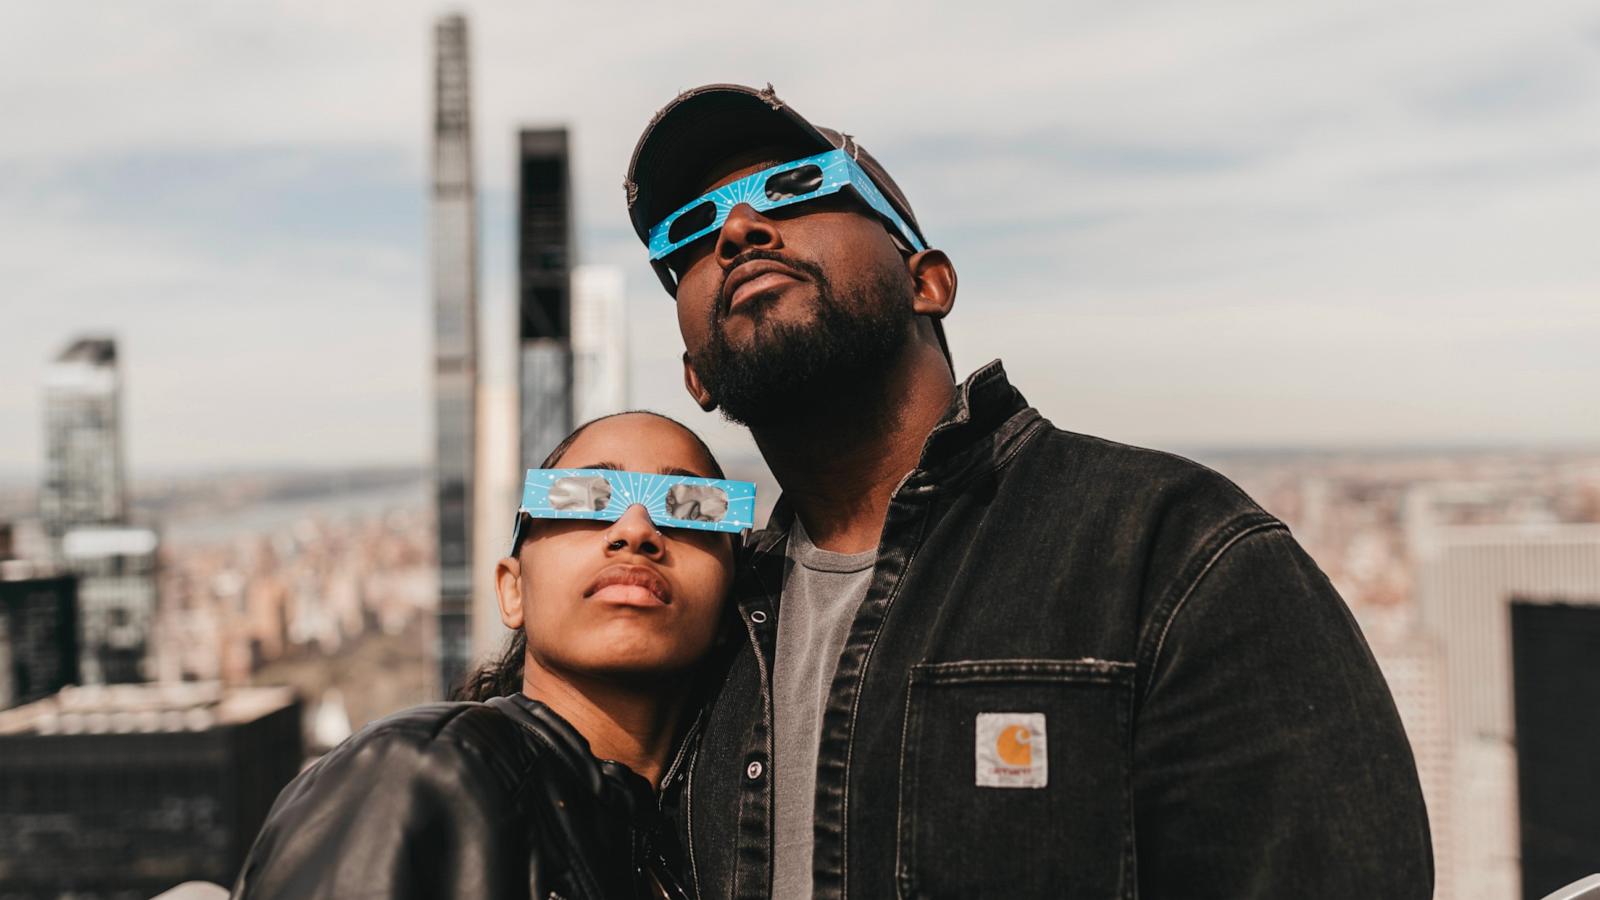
x=673, y=501
x=783, y=184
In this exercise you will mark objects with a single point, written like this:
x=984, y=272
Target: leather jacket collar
x=610, y=782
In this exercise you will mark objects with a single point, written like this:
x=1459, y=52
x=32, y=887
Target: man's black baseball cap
x=706, y=125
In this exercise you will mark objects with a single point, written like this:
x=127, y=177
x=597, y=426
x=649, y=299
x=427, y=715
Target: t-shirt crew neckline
x=805, y=553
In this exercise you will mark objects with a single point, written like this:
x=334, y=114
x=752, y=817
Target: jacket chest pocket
x=1014, y=780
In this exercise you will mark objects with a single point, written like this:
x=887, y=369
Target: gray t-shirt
x=820, y=596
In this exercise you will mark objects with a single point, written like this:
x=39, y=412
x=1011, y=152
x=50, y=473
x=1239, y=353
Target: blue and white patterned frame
x=642, y=488
x=838, y=171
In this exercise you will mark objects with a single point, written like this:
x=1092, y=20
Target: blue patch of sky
x=1476, y=174
x=235, y=199
x=1078, y=153
x=1525, y=86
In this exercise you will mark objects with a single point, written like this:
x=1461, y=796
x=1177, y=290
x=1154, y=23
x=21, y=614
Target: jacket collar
x=985, y=419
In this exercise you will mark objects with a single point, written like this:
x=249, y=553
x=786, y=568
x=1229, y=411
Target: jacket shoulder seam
x=1225, y=539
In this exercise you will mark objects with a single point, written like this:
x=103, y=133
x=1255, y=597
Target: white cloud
x=1388, y=207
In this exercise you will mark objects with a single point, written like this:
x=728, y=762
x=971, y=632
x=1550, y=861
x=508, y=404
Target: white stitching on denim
x=1030, y=661
x=900, y=795
x=1155, y=657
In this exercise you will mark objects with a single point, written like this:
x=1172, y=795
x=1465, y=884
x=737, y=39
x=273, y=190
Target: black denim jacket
x=1214, y=725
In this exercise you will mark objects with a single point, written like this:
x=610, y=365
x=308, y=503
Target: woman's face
x=620, y=599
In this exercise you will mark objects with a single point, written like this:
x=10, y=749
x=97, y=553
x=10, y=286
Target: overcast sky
x=1180, y=224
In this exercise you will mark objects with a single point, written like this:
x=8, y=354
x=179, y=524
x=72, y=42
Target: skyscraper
x=125, y=791
x=544, y=291
x=116, y=567
x=1556, y=661
x=599, y=343
x=1414, y=669
x=1466, y=576
x=83, y=482
x=455, y=306
x=83, y=505
x=499, y=491
x=38, y=636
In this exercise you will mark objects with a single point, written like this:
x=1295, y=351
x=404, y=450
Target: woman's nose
x=636, y=532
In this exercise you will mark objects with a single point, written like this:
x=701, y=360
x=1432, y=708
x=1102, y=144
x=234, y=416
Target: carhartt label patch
x=1011, y=750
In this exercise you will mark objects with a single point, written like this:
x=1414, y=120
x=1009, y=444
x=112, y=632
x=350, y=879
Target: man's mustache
x=725, y=296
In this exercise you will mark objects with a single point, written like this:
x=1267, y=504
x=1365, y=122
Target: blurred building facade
x=83, y=481
x=455, y=306
x=38, y=634
x=599, y=343
x=84, y=509
x=127, y=790
x=1473, y=551
x=117, y=601
x=499, y=494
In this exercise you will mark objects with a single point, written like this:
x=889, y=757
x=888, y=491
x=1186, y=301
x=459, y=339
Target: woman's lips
x=624, y=585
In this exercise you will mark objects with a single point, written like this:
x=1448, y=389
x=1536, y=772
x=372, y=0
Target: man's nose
x=745, y=229
x=634, y=532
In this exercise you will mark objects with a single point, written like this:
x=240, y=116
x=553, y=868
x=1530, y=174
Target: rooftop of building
x=98, y=350
x=171, y=706
x=98, y=541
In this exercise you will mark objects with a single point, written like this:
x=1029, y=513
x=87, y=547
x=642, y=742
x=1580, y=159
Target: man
x=985, y=657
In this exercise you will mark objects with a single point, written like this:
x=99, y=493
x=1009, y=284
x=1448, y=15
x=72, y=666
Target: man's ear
x=508, y=590
x=691, y=383
x=934, y=278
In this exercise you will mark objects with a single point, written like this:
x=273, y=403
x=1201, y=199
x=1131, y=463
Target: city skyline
x=1338, y=255
x=1374, y=220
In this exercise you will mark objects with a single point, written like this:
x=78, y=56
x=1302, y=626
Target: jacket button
x=753, y=771
x=758, y=617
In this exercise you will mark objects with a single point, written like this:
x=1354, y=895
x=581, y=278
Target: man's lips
x=629, y=586
x=752, y=278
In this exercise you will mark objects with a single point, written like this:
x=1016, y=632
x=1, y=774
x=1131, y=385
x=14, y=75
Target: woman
x=540, y=782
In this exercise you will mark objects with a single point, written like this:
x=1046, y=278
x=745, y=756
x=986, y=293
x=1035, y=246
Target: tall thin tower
x=455, y=328
x=544, y=291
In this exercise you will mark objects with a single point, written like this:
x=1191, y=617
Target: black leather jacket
x=1205, y=718
x=463, y=801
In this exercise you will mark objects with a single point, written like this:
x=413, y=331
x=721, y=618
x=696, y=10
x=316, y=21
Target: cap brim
x=698, y=130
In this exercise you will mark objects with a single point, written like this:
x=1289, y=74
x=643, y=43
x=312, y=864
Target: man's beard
x=789, y=369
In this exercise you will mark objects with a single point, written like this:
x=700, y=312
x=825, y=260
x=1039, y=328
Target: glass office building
x=83, y=482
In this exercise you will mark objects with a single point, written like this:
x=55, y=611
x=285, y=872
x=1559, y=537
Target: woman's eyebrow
x=664, y=470
x=674, y=470
x=601, y=465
